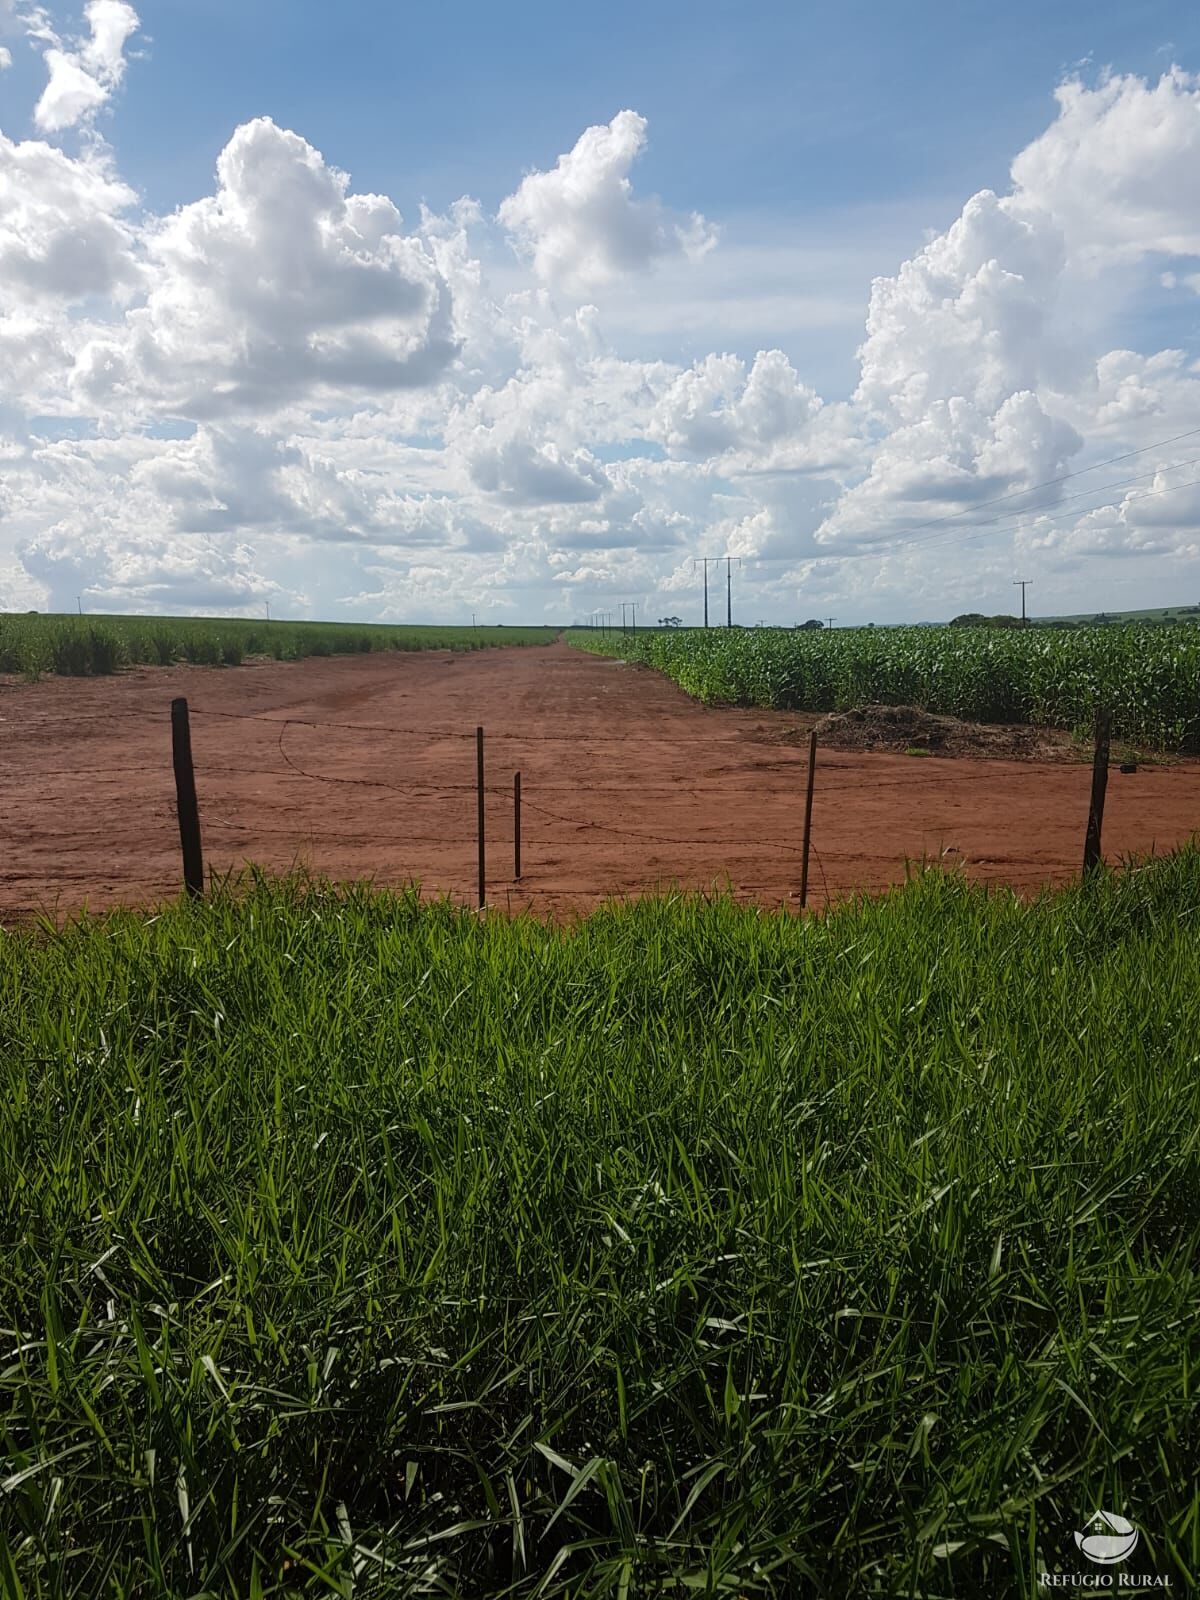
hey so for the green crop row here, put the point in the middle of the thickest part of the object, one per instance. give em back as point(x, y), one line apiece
point(33, 644)
point(360, 1247)
point(1150, 678)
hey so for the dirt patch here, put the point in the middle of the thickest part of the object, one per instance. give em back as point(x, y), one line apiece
point(364, 766)
point(910, 729)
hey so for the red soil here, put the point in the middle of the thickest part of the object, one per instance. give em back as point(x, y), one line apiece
point(627, 784)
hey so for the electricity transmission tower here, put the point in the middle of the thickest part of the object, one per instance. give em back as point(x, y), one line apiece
point(729, 560)
point(712, 561)
point(705, 562)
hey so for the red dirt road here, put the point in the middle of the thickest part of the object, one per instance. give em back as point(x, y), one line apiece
point(364, 766)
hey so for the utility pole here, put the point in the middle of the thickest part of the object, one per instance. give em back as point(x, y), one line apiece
point(624, 608)
point(268, 604)
point(729, 560)
point(829, 621)
point(1022, 584)
point(79, 603)
point(705, 562)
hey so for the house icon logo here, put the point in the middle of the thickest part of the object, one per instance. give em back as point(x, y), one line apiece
point(1107, 1538)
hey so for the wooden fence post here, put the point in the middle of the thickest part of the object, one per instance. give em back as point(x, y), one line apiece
point(185, 799)
point(517, 826)
point(808, 799)
point(479, 810)
point(1091, 844)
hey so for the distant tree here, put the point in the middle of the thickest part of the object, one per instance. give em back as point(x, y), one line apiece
point(976, 619)
point(670, 622)
point(813, 622)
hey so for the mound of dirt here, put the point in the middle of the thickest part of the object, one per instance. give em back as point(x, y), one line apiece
point(908, 728)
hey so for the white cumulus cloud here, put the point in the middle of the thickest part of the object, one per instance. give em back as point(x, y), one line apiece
point(1119, 168)
point(279, 286)
point(581, 225)
point(63, 233)
point(83, 77)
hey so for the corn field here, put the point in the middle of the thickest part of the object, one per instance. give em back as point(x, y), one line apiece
point(1149, 677)
point(33, 644)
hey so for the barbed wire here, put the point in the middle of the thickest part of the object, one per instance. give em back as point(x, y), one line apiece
point(434, 788)
point(584, 825)
point(303, 836)
point(450, 841)
point(273, 718)
point(658, 741)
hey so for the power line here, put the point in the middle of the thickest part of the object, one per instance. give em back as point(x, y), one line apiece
point(943, 540)
point(1109, 505)
point(1048, 483)
point(1051, 512)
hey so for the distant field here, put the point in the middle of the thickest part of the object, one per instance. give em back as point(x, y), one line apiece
point(1153, 614)
point(1149, 677)
point(33, 644)
point(355, 1246)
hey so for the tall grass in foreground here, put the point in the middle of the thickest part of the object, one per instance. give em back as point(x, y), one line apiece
point(362, 1247)
point(33, 644)
point(1150, 677)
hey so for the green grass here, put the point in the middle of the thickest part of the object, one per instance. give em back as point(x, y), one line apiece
point(355, 1246)
point(1149, 677)
point(33, 644)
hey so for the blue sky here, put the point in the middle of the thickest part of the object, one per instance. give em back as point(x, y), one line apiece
point(808, 107)
point(679, 361)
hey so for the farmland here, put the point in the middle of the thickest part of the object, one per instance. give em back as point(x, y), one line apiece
point(33, 644)
point(359, 1246)
point(365, 766)
point(1149, 677)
